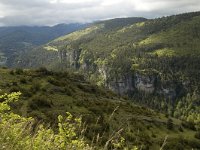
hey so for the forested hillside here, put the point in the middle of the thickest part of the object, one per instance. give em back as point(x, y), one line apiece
point(155, 62)
point(107, 119)
point(16, 40)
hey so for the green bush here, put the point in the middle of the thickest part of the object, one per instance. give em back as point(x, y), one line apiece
point(88, 89)
point(35, 87)
point(14, 89)
point(14, 83)
point(4, 67)
point(189, 125)
point(12, 72)
point(68, 91)
point(170, 124)
point(19, 71)
point(26, 92)
point(55, 82)
point(197, 135)
point(23, 80)
point(43, 71)
point(39, 102)
point(180, 128)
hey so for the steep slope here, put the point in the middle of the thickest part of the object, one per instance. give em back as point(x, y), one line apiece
point(47, 94)
point(73, 41)
point(154, 61)
point(16, 40)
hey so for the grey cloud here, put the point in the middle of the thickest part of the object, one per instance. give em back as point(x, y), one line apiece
point(42, 12)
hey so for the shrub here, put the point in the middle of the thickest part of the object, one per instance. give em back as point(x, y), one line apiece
point(4, 67)
point(197, 135)
point(23, 80)
point(14, 89)
point(57, 89)
point(88, 89)
point(39, 102)
point(35, 87)
point(96, 110)
point(26, 93)
point(38, 115)
point(68, 91)
point(19, 71)
point(44, 71)
point(170, 124)
point(54, 82)
point(12, 72)
point(14, 83)
point(189, 125)
point(180, 128)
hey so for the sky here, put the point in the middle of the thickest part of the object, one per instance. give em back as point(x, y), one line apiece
point(52, 12)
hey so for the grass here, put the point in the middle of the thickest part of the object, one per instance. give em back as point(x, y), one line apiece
point(165, 52)
point(79, 34)
point(91, 103)
point(183, 38)
point(50, 48)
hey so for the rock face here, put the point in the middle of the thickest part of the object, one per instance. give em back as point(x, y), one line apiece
point(145, 83)
point(3, 60)
point(123, 83)
point(169, 93)
point(70, 58)
point(130, 83)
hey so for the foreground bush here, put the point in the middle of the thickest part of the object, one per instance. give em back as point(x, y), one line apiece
point(16, 132)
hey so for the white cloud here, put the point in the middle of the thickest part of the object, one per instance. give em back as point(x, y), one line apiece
point(111, 2)
point(49, 12)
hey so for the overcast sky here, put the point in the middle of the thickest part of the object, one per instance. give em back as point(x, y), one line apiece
point(51, 12)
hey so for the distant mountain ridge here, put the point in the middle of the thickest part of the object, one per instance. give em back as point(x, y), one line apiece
point(16, 40)
point(38, 35)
